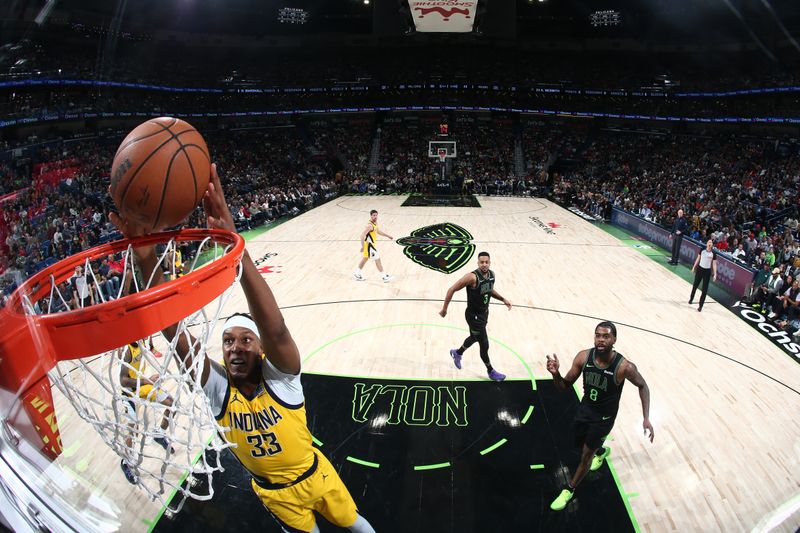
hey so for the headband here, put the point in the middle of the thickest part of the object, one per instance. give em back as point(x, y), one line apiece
point(241, 322)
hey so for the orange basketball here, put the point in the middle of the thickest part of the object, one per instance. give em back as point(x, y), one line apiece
point(160, 173)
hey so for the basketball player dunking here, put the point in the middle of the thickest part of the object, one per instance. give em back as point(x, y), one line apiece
point(256, 393)
point(480, 289)
point(368, 250)
point(604, 373)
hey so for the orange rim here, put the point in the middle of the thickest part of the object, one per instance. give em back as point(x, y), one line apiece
point(102, 327)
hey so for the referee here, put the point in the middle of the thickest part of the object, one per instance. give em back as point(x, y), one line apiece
point(704, 266)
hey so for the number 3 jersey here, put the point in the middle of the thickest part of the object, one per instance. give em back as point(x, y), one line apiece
point(478, 297)
point(269, 430)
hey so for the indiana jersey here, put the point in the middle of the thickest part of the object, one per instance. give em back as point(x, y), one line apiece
point(271, 437)
point(369, 241)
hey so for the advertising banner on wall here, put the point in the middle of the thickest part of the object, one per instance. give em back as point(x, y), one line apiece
point(731, 276)
point(451, 16)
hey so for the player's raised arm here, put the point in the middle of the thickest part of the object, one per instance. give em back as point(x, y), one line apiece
point(565, 382)
point(277, 342)
point(147, 262)
point(465, 280)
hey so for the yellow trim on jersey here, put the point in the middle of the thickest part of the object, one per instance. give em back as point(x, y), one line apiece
point(272, 438)
point(369, 240)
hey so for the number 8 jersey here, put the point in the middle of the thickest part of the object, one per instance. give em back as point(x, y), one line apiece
point(269, 430)
point(601, 391)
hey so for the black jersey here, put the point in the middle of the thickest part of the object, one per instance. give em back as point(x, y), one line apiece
point(478, 298)
point(601, 392)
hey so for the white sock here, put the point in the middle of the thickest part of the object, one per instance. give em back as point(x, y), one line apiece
point(358, 271)
point(361, 526)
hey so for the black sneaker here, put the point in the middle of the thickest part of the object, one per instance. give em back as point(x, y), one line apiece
point(130, 475)
point(164, 443)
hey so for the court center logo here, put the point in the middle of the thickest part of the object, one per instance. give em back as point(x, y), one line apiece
point(441, 247)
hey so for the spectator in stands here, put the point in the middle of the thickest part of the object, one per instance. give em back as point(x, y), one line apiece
point(739, 253)
point(770, 290)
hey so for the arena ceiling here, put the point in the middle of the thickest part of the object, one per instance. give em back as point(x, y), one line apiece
point(686, 21)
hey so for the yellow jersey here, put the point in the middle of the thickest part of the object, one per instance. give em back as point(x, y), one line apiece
point(271, 437)
point(372, 236)
point(137, 363)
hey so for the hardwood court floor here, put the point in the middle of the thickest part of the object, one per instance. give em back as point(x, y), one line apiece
point(724, 400)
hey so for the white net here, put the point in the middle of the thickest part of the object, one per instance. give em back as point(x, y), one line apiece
point(145, 403)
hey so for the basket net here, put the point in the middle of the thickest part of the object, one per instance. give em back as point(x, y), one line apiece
point(129, 420)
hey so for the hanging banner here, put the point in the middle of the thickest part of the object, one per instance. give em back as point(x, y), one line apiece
point(452, 16)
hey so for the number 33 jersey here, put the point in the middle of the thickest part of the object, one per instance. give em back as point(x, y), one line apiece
point(269, 430)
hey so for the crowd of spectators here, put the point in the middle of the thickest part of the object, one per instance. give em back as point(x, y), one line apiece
point(741, 192)
point(269, 174)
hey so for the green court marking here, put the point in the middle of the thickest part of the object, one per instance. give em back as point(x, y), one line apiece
point(180, 483)
point(248, 235)
point(253, 233)
point(83, 464)
point(414, 325)
point(362, 462)
point(528, 414)
point(316, 441)
point(379, 377)
point(69, 452)
point(624, 495)
point(537, 467)
point(660, 256)
point(148, 523)
point(494, 446)
point(432, 467)
point(578, 391)
point(632, 495)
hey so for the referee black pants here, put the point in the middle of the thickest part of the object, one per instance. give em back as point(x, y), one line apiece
point(704, 275)
point(676, 248)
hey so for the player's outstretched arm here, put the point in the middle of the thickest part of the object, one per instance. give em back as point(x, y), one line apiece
point(384, 234)
point(465, 280)
point(276, 340)
point(147, 262)
point(565, 382)
point(632, 374)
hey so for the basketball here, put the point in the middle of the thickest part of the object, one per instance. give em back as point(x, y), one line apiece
point(160, 173)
